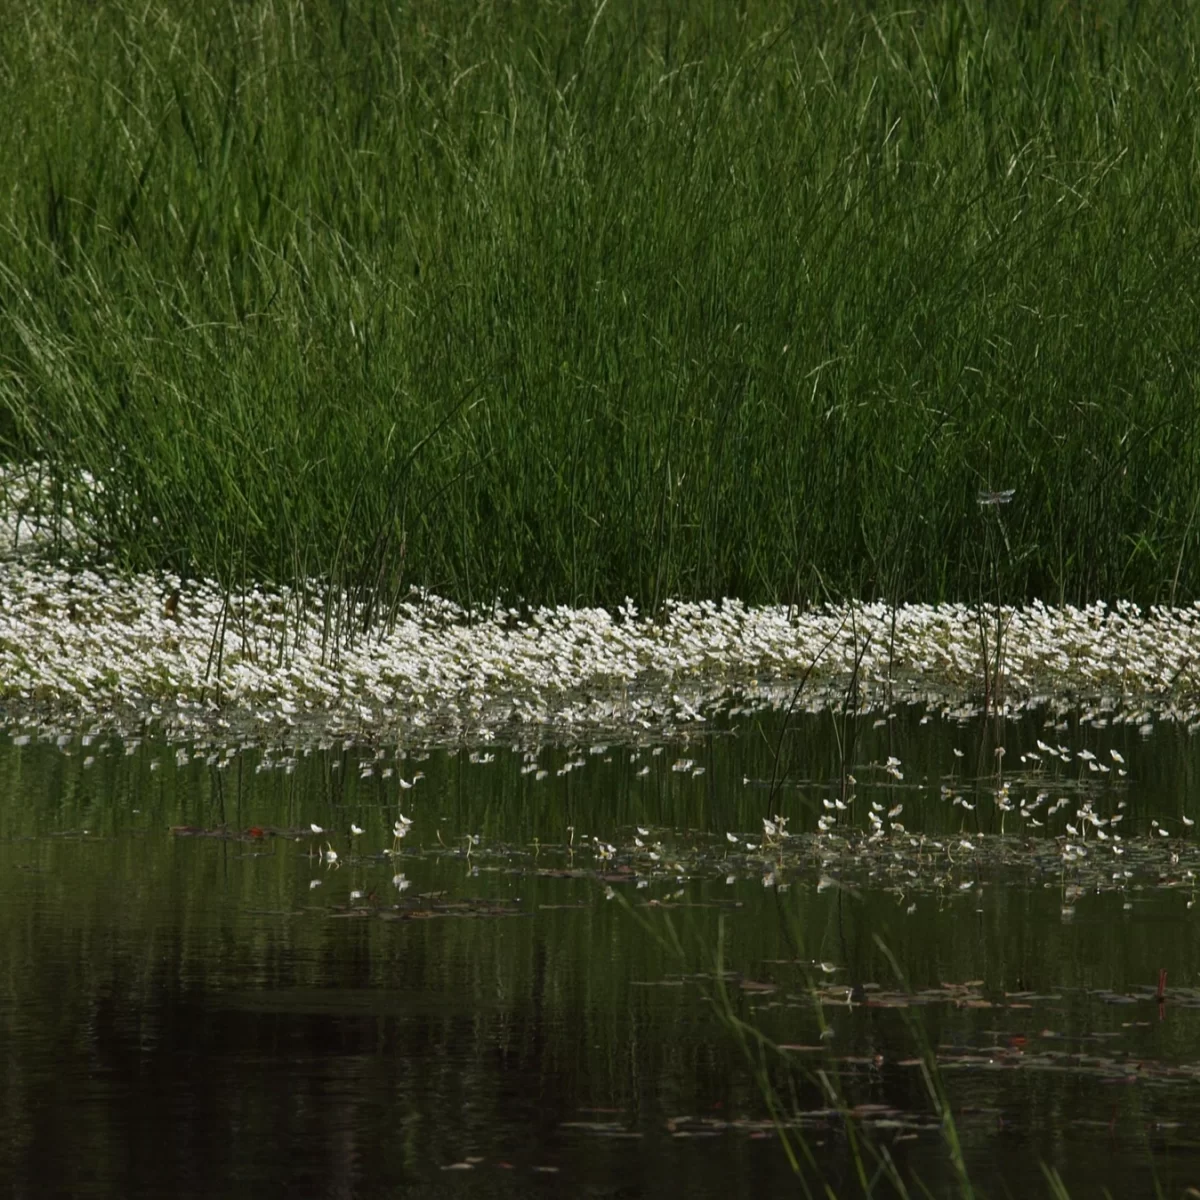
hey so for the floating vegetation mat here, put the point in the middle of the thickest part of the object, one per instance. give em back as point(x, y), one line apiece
point(1013, 1056)
point(1073, 810)
point(658, 870)
point(78, 645)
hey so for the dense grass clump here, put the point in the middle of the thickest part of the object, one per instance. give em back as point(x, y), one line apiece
point(571, 301)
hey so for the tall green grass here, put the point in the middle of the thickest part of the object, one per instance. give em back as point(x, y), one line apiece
point(572, 301)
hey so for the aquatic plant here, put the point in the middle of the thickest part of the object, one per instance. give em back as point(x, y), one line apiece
point(77, 641)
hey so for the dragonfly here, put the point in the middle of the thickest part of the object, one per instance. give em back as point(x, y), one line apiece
point(993, 499)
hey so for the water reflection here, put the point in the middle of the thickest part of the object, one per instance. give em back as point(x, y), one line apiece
point(187, 1014)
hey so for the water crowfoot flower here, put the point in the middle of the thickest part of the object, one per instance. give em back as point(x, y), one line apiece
point(400, 830)
point(551, 666)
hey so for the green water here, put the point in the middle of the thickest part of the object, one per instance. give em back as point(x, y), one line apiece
point(185, 1013)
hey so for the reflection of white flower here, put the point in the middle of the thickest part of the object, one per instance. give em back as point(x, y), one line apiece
point(316, 828)
point(354, 829)
point(400, 883)
point(313, 883)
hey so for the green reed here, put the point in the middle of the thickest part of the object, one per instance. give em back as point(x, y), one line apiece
point(568, 301)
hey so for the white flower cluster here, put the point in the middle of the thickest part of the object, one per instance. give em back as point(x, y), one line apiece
point(81, 644)
point(77, 641)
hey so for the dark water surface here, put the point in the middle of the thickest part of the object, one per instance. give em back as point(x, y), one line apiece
point(194, 1002)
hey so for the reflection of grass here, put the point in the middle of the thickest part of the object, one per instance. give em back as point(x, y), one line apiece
point(781, 1077)
point(871, 1159)
point(933, 1086)
point(667, 300)
point(171, 906)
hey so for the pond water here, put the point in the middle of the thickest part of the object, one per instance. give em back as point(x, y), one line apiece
point(539, 987)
